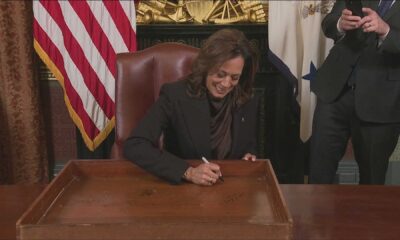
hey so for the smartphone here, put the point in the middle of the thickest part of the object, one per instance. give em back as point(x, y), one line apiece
point(355, 6)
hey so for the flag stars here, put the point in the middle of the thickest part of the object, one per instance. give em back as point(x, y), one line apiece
point(311, 75)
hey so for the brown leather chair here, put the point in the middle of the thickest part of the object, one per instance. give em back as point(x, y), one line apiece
point(139, 78)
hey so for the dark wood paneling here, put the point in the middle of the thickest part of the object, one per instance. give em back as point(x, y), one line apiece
point(60, 130)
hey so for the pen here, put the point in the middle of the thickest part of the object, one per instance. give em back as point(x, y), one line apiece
point(206, 161)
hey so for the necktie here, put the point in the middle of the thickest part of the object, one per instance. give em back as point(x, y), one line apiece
point(384, 7)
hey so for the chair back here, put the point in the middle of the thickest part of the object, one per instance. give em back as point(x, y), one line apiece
point(138, 80)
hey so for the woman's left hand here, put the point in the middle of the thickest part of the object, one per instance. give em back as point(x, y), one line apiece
point(249, 157)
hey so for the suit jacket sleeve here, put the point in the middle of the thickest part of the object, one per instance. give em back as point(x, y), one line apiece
point(391, 44)
point(329, 23)
point(247, 132)
point(142, 146)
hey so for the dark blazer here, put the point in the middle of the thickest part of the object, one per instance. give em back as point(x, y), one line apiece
point(185, 121)
point(376, 68)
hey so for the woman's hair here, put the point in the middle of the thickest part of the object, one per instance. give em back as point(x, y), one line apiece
point(220, 47)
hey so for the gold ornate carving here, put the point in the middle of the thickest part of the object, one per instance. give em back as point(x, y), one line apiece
point(202, 11)
point(323, 7)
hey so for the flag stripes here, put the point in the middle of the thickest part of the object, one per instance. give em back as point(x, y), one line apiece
point(93, 28)
point(118, 14)
point(70, 95)
point(78, 41)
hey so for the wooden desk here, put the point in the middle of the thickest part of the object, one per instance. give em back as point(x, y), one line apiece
point(344, 211)
point(319, 211)
point(14, 200)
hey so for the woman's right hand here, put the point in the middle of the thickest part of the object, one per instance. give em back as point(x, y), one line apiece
point(205, 174)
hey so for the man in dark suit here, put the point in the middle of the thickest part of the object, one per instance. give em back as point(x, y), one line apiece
point(358, 92)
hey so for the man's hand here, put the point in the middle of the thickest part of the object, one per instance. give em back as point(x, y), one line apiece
point(349, 22)
point(372, 22)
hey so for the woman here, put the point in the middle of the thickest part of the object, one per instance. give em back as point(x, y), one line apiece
point(211, 113)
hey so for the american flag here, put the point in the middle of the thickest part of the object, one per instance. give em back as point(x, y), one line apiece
point(78, 41)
